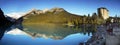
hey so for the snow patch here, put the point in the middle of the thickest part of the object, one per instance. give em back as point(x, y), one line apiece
point(16, 15)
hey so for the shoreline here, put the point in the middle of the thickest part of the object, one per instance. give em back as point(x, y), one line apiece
point(105, 37)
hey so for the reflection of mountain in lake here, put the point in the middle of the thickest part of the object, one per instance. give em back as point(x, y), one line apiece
point(47, 34)
point(20, 37)
point(55, 31)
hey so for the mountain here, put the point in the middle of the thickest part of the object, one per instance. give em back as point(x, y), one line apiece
point(10, 18)
point(3, 20)
point(4, 23)
point(54, 15)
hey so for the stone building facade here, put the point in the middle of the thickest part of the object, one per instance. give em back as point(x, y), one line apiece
point(103, 13)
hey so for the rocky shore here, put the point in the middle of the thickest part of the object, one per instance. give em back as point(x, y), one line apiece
point(105, 35)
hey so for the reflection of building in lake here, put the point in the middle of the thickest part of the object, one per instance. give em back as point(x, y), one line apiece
point(103, 12)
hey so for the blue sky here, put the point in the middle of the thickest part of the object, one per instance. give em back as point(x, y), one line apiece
point(80, 7)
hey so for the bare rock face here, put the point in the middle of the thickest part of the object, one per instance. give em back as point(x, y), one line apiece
point(53, 10)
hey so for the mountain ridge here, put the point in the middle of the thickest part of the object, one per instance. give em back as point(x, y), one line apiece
point(55, 9)
point(54, 15)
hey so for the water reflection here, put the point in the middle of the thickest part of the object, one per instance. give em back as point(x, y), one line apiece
point(54, 31)
point(47, 35)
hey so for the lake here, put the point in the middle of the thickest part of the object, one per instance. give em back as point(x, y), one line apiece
point(48, 34)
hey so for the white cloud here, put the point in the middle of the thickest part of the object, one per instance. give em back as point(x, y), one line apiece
point(16, 15)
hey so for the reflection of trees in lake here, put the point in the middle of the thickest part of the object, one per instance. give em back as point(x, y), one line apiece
point(85, 29)
point(57, 31)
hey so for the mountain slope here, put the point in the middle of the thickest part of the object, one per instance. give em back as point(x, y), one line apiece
point(54, 15)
